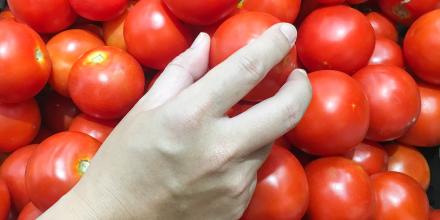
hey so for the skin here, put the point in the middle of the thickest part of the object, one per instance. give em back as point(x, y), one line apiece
point(180, 151)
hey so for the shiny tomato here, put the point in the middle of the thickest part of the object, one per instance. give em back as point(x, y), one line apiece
point(422, 47)
point(285, 10)
point(282, 191)
point(405, 12)
point(330, 2)
point(387, 52)
point(13, 172)
point(24, 62)
point(426, 132)
point(434, 214)
point(339, 101)
point(241, 29)
point(394, 100)
point(398, 196)
point(96, 128)
point(44, 16)
point(100, 76)
point(56, 166)
point(408, 160)
point(65, 49)
point(104, 11)
point(29, 212)
point(382, 26)
point(337, 38)
point(19, 124)
point(371, 156)
point(57, 111)
point(201, 12)
point(339, 189)
point(162, 36)
point(5, 202)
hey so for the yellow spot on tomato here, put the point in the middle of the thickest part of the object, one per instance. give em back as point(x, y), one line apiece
point(96, 57)
point(39, 56)
point(240, 4)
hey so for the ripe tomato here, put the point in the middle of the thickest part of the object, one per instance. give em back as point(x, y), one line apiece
point(19, 124)
point(387, 52)
point(100, 76)
point(337, 183)
point(239, 108)
point(96, 128)
point(57, 111)
point(394, 100)
point(422, 47)
point(29, 212)
point(330, 2)
point(114, 32)
point(13, 173)
point(162, 36)
point(5, 202)
point(201, 12)
point(408, 160)
point(104, 11)
point(65, 49)
point(56, 166)
point(339, 101)
point(343, 40)
point(405, 12)
point(282, 191)
point(382, 26)
point(24, 62)
point(285, 10)
point(434, 214)
point(398, 196)
point(238, 31)
point(371, 156)
point(426, 131)
point(44, 16)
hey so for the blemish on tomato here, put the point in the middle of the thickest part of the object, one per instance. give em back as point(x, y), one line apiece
point(96, 57)
point(83, 165)
point(39, 57)
point(401, 11)
point(240, 4)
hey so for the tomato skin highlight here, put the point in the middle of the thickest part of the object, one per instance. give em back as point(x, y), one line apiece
point(343, 27)
point(370, 155)
point(387, 52)
point(19, 124)
point(391, 91)
point(56, 166)
point(20, 44)
point(281, 180)
point(339, 101)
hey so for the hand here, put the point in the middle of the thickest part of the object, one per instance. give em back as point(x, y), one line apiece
point(176, 155)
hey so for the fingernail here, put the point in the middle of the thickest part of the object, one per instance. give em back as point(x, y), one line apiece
point(295, 73)
point(301, 71)
point(289, 32)
point(197, 41)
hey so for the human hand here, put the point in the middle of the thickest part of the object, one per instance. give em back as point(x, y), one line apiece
point(176, 155)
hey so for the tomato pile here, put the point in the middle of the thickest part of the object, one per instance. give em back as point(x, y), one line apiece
point(70, 71)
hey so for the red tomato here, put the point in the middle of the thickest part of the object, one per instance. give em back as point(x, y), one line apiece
point(13, 172)
point(426, 132)
point(434, 214)
point(29, 212)
point(19, 124)
point(238, 31)
point(57, 111)
point(282, 191)
point(387, 52)
point(162, 36)
point(422, 47)
point(394, 100)
point(114, 32)
point(285, 10)
point(382, 26)
point(239, 108)
point(408, 160)
point(339, 101)
point(371, 156)
point(330, 2)
point(104, 11)
point(336, 37)
point(398, 196)
point(24, 62)
point(201, 12)
point(405, 12)
point(56, 166)
point(6, 13)
point(5, 202)
point(281, 142)
point(93, 127)
point(44, 16)
point(100, 76)
point(339, 189)
point(65, 49)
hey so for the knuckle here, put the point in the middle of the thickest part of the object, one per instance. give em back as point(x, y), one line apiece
point(252, 67)
point(237, 187)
